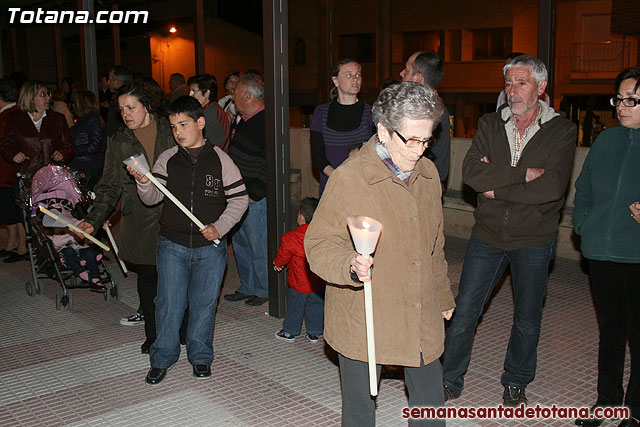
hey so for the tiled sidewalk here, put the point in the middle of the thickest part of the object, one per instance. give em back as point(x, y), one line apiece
point(81, 367)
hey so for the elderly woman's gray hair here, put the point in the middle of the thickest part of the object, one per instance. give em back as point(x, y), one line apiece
point(537, 67)
point(407, 100)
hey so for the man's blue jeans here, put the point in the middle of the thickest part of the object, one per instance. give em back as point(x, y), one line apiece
point(250, 249)
point(307, 306)
point(483, 267)
point(187, 277)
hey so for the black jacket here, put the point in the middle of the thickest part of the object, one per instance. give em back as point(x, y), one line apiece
point(211, 188)
point(523, 213)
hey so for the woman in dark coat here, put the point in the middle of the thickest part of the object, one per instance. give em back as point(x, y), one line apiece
point(88, 134)
point(142, 132)
point(606, 190)
point(34, 136)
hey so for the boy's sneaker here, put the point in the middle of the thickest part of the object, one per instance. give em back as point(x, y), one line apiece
point(285, 336)
point(312, 338)
point(136, 319)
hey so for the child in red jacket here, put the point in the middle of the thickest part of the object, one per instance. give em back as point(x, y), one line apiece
point(306, 290)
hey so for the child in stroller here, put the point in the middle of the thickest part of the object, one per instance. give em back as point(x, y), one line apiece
point(57, 189)
point(77, 255)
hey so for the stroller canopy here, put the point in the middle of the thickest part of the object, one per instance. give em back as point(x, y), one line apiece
point(55, 182)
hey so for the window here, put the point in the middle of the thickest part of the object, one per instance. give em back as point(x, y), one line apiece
point(361, 47)
point(300, 52)
point(427, 41)
point(492, 43)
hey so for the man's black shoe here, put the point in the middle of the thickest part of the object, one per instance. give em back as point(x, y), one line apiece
point(236, 296)
point(450, 394)
point(514, 397)
point(202, 372)
point(256, 301)
point(155, 376)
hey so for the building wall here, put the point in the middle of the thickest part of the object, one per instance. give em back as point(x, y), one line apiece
point(227, 48)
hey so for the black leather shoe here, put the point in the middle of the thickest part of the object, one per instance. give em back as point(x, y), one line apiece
point(236, 296)
point(202, 372)
point(15, 257)
point(155, 376)
point(514, 397)
point(588, 422)
point(450, 394)
point(256, 301)
point(631, 422)
point(5, 253)
point(145, 347)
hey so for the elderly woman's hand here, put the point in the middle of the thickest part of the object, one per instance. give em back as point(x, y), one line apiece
point(360, 265)
point(635, 211)
point(57, 156)
point(448, 313)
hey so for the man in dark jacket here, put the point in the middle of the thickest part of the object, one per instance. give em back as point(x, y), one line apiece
point(247, 150)
point(520, 164)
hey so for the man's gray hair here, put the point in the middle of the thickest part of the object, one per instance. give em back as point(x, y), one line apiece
point(407, 100)
point(122, 73)
point(254, 85)
point(537, 67)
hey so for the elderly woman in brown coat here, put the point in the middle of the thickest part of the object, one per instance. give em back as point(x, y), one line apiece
point(390, 181)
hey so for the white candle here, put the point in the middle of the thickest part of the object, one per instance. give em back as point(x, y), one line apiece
point(365, 233)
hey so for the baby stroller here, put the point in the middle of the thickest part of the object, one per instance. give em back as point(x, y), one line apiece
point(56, 188)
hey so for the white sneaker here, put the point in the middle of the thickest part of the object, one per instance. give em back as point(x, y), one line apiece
point(135, 319)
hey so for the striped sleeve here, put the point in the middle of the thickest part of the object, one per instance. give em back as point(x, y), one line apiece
point(225, 126)
point(149, 193)
point(235, 192)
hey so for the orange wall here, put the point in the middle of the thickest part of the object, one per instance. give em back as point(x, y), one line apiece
point(173, 53)
point(227, 48)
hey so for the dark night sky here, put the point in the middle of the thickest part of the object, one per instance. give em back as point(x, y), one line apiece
point(245, 13)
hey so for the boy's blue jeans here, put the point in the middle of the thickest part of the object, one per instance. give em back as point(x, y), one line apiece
point(187, 277)
point(307, 306)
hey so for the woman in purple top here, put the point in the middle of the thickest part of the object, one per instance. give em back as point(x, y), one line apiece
point(338, 126)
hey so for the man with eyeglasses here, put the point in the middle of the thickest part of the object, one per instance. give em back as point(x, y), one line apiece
point(519, 163)
point(427, 68)
point(204, 88)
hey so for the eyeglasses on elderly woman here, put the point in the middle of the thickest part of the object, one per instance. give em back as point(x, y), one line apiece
point(44, 94)
point(415, 142)
point(627, 102)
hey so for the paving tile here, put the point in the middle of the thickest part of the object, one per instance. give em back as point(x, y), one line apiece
point(80, 367)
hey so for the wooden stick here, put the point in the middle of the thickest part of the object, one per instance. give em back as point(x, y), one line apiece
point(68, 224)
point(177, 202)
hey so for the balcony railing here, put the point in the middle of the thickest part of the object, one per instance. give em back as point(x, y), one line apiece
point(605, 57)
